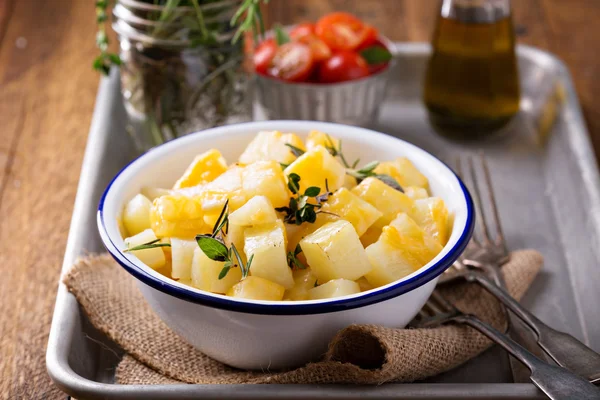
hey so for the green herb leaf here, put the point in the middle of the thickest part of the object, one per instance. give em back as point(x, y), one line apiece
point(214, 249)
point(295, 150)
point(312, 191)
point(150, 245)
point(370, 167)
point(222, 220)
point(292, 259)
point(388, 180)
point(281, 36)
point(294, 182)
point(376, 55)
point(248, 265)
point(224, 271)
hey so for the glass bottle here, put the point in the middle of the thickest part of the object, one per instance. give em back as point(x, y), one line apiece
point(472, 82)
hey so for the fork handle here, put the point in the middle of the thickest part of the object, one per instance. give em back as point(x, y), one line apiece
point(564, 349)
point(556, 382)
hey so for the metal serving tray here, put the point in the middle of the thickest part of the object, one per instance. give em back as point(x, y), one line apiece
point(549, 200)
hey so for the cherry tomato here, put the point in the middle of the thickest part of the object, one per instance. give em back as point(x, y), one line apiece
point(292, 62)
point(302, 29)
point(263, 55)
point(370, 38)
point(342, 31)
point(319, 48)
point(343, 66)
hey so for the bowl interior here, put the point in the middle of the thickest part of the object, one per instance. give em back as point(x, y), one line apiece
point(162, 166)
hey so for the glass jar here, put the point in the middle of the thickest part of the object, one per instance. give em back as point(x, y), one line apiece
point(172, 87)
point(472, 82)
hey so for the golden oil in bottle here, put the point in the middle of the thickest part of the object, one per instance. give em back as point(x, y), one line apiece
point(472, 83)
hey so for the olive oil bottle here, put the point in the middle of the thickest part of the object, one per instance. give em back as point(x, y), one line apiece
point(472, 83)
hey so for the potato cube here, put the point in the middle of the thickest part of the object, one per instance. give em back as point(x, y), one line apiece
point(205, 168)
point(404, 172)
point(205, 274)
point(258, 210)
point(334, 251)
point(212, 195)
point(304, 280)
point(314, 167)
point(351, 208)
point(384, 198)
point(334, 288)
point(431, 214)
point(295, 233)
point(402, 248)
point(154, 258)
point(370, 236)
point(177, 216)
point(317, 138)
point(271, 146)
point(266, 178)
point(255, 288)
point(415, 192)
point(364, 284)
point(349, 182)
point(267, 243)
point(182, 252)
point(136, 215)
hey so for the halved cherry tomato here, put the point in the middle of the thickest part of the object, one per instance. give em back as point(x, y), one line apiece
point(319, 48)
point(343, 66)
point(370, 38)
point(302, 29)
point(263, 55)
point(292, 62)
point(342, 31)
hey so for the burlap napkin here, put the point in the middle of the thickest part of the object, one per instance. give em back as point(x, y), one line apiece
point(361, 354)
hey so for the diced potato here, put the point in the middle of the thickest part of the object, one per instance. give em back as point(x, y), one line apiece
point(154, 258)
point(205, 168)
point(177, 216)
point(349, 182)
point(370, 236)
point(271, 146)
point(266, 178)
point(404, 172)
point(316, 166)
point(402, 248)
point(431, 214)
point(415, 192)
point(304, 280)
point(235, 236)
point(205, 274)
point(258, 210)
point(364, 284)
point(136, 215)
point(295, 233)
point(384, 198)
point(255, 288)
point(334, 288)
point(334, 251)
point(152, 193)
point(351, 208)
point(182, 252)
point(268, 245)
point(213, 195)
point(317, 138)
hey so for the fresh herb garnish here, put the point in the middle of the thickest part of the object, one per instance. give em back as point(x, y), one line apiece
point(213, 246)
point(300, 209)
point(150, 245)
point(376, 55)
point(281, 36)
point(293, 260)
point(284, 165)
point(369, 171)
point(337, 151)
point(297, 151)
point(252, 19)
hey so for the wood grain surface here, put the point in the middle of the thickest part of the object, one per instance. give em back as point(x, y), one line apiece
point(47, 92)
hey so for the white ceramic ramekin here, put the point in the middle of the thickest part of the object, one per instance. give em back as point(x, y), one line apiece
point(253, 334)
point(354, 102)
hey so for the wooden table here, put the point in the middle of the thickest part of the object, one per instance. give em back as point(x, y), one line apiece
point(47, 92)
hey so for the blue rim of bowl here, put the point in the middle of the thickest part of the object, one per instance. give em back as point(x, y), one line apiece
point(368, 298)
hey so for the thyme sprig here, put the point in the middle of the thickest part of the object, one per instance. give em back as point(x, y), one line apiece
point(369, 171)
point(150, 245)
point(292, 258)
point(300, 209)
point(297, 151)
point(213, 246)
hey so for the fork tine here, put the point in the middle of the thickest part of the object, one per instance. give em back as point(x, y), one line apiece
point(481, 220)
point(492, 198)
point(443, 302)
point(459, 170)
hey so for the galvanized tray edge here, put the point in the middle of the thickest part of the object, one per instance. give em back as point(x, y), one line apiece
point(67, 311)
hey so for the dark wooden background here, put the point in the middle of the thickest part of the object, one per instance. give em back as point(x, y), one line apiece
point(47, 93)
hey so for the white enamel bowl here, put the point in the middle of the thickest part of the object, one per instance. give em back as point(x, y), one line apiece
point(253, 334)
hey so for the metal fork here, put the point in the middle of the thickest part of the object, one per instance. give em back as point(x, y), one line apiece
point(554, 381)
point(488, 255)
